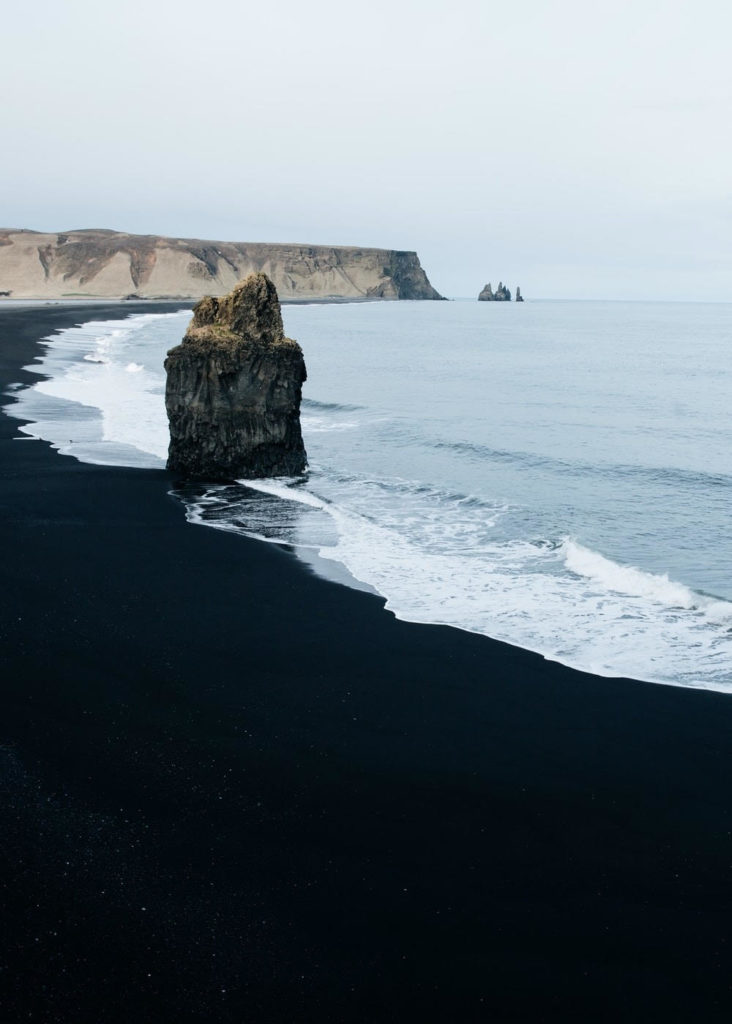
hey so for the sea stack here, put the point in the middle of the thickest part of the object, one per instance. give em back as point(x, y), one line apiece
point(501, 294)
point(233, 389)
point(519, 296)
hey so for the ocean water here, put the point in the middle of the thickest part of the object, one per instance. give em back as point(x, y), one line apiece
point(552, 474)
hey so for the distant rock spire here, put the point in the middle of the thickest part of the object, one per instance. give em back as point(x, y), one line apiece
point(519, 296)
point(502, 294)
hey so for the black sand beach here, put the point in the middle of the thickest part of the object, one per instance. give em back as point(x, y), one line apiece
point(231, 791)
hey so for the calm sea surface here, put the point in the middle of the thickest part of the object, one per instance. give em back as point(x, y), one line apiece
point(553, 474)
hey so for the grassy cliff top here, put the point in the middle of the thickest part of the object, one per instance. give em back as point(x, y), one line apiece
point(249, 317)
point(209, 338)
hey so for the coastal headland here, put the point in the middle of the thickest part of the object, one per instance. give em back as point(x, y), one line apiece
point(230, 790)
point(116, 265)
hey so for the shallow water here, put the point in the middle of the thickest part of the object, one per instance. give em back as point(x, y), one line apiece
point(553, 474)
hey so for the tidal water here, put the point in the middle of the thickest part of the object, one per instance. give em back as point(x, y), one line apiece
point(552, 474)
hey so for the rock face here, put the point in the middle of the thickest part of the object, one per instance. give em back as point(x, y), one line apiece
point(111, 264)
point(519, 296)
point(501, 294)
point(233, 389)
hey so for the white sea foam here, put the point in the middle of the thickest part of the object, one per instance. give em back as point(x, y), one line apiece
point(601, 617)
point(281, 488)
point(97, 404)
point(320, 425)
point(625, 579)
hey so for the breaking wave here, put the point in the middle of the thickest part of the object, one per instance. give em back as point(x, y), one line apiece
point(549, 595)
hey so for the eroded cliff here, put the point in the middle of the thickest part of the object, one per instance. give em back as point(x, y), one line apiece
point(233, 389)
point(111, 264)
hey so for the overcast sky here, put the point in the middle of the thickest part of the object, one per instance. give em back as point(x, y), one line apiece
point(578, 149)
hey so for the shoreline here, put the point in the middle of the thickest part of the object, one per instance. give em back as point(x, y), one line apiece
point(331, 569)
point(230, 789)
point(184, 301)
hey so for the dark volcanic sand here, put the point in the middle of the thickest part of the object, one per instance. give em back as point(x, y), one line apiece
point(230, 791)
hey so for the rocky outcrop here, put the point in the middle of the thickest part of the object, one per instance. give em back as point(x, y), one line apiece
point(111, 264)
point(501, 294)
point(519, 296)
point(233, 389)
